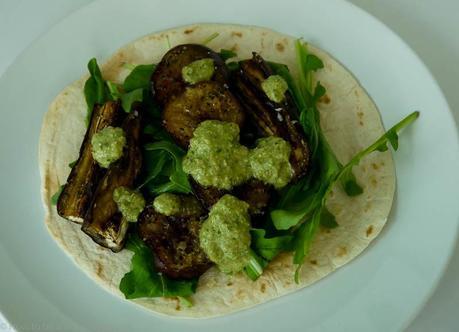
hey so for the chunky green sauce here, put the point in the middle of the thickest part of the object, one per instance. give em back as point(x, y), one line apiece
point(269, 161)
point(275, 87)
point(225, 234)
point(174, 205)
point(215, 157)
point(130, 202)
point(198, 71)
point(107, 145)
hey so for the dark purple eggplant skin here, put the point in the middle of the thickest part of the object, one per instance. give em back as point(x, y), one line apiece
point(174, 241)
point(78, 192)
point(103, 222)
point(271, 118)
point(167, 82)
point(255, 193)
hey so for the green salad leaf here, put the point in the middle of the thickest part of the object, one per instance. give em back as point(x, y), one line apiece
point(327, 219)
point(164, 164)
point(144, 281)
point(114, 89)
point(56, 195)
point(156, 132)
point(304, 236)
point(95, 88)
point(210, 38)
point(129, 98)
point(73, 163)
point(270, 247)
point(139, 78)
point(256, 266)
point(227, 54)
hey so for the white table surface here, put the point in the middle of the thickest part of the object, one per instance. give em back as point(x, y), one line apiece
point(430, 27)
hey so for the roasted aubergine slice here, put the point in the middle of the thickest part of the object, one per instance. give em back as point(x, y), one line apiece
point(78, 192)
point(255, 193)
point(271, 118)
point(174, 241)
point(203, 101)
point(103, 222)
point(167, 82)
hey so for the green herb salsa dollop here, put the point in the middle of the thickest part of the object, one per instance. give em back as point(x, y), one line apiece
point(216, 158)
point(225, 234)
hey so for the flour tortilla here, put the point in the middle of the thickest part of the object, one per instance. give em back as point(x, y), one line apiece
point(350, 121)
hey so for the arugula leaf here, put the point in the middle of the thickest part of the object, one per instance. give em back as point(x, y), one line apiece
point(56, 195)
point(390, 137)
point(157, 132)
point(305, 234)
point(256, 266)
point(327, 219)
point(269, 248)
point(128, 66)
point(350, 185)
point(95, 89)
point(233, 65)
point(299, 200)
point(114, 89)
point(227, 54)
point(129, 98)
point(210, 38)
point(73, 163)
point(178, 179)
point(185, 302)
point(144, 281)
point(303, 240)
point(139, 78)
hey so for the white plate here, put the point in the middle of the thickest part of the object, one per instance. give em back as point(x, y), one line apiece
point(382, 289)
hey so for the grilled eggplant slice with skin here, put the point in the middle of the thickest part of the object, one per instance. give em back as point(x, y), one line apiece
point(203, 101)
point(254, 192)
point(208, 196)
point(167, 82)
point(271, 118)
point(103, 222)
point(174, 241)
point(78, 192)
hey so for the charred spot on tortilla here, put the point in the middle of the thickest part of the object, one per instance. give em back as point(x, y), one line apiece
point(280, 47)
point(369, 230)
point(189, 31)
point(341, 251)
point(104, 222)
point(77, 194)
point(263, 287)
point(325, 99)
